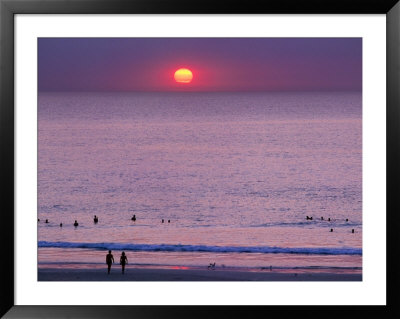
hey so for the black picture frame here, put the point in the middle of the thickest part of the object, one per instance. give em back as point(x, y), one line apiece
point(9, 8)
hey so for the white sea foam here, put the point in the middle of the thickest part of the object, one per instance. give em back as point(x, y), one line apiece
point(202, 248)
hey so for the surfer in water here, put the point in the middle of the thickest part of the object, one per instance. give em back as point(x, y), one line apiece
point(109, 260)
point(123, 260)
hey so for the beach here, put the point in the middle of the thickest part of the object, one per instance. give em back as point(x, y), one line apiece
point(177, 181)
point(52, 274)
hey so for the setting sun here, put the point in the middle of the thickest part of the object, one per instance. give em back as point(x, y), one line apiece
point(183, 76)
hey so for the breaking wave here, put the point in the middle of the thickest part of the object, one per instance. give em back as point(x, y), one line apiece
point(204, 248)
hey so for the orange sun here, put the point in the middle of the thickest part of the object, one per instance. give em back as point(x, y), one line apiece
point(183, 76)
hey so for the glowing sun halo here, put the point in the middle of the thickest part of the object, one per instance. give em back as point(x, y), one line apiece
point(183, 76)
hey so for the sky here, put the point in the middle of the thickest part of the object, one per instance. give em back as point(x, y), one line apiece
point(217, 64)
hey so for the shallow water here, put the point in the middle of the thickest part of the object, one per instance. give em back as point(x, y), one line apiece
point(235, 173)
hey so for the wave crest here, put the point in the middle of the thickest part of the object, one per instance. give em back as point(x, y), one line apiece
point(204, 248)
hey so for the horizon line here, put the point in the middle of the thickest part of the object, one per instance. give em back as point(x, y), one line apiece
point(195, 91)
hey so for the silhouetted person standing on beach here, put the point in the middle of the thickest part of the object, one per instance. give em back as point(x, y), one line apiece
point(109, 260)
point(123, 260)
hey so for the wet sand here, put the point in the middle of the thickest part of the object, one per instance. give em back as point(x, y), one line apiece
point(49, 274)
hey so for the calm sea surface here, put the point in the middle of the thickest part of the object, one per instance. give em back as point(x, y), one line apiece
point(235, 173)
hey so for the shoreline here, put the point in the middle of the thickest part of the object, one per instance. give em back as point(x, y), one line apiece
point(153, 274)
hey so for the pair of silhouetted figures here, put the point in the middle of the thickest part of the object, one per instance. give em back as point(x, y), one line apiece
point(75, 223)
point(110, 260)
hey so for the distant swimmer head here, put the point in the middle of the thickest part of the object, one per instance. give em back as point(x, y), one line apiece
point(331, 230)
point(47, 221)
point(352, 231)
point(322, 218)
point(76, 223)
point(162, 220)
point(329, 219)
point(347, 219)
point(60, 224)
point(169, 221)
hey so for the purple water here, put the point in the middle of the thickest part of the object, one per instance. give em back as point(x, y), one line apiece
point(235, 173)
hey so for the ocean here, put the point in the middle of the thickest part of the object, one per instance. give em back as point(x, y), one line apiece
point(233, 175)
